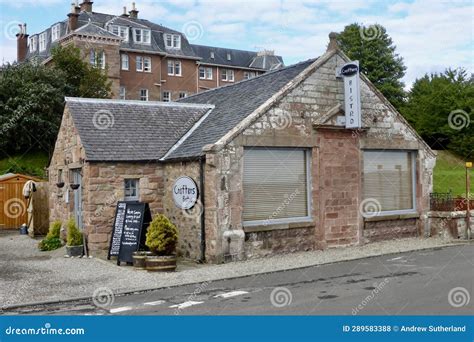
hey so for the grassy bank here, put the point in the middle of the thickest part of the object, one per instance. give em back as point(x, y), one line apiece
point(32, 164)
point(450, 174)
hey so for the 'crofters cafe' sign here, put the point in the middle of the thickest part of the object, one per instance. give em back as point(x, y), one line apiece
point(185, 192)
point(350, 73)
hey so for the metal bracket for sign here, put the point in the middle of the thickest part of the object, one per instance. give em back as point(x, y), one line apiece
point(338, 72)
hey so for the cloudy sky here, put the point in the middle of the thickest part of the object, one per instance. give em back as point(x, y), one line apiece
point(431, 35)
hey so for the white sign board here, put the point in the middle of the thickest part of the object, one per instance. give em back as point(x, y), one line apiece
point(185, 192)
point(350, 73)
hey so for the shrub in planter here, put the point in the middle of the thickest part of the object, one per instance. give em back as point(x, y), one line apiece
point(52, 240)
point(161, 239)
point(74, 246)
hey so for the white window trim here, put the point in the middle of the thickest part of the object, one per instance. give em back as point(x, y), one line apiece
point(169, 96)
point(205, 73)
point(174, 61)
point(33, 43)
point(147, 94)
point(172, 37)
point(309, 198)
point(135, 30)
point(120, 30)
point(228, 72)
point(42, 37)
point(136, 64)
point(149, 60)
point(124, 97)
point(55, 32)
point(132, 198)
point(124, 57)
point(414, 181)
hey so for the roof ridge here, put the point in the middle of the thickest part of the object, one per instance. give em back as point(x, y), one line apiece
point(270, 72)
point(138, 102)
point(223, 48)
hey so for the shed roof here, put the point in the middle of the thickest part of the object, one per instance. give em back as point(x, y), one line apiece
point(119, 130)
point(8, 176)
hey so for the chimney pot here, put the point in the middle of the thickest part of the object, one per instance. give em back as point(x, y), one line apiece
point(125, 14)
point(332, 41)
point(86, 6)
point(133, 12)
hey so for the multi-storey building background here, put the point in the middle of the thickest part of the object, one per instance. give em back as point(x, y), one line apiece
point(143, 60)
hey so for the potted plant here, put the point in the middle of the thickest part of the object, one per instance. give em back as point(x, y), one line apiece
point(60, 184)
point(52, 240)
point(74, 244)
point(139, 258)
point(161, 239)
point(74, 186)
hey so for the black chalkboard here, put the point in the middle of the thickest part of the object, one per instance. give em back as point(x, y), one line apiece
point(117, 229)
point(136, 220)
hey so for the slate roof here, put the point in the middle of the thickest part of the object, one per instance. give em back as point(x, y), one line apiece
point(240, 58)
point(233, 103)
point(94, 30)
point(120, 130)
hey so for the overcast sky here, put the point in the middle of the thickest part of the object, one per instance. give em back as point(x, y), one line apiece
point(429, 35)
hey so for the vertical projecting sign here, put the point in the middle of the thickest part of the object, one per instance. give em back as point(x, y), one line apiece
point(350, 73)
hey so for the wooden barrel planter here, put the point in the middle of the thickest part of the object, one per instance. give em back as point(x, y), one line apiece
point(156, 263)
point(139, 258)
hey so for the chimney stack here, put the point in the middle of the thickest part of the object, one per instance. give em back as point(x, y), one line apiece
point(86, 6)
point(332, 41)
point(21, 43)
point(73, 17)
point(133, 12)
point(125, 14)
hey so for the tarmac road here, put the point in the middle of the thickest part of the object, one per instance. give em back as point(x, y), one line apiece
point(427, 282)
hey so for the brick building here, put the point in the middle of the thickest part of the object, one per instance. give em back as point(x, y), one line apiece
point(145, 61)
point(277, 171)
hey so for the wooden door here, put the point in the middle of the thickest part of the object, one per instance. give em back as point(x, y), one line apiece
point(12, 204)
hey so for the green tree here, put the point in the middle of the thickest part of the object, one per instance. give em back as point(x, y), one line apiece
point(440, 107)
point(83, 79)
point(32, 98)
point(375, 51)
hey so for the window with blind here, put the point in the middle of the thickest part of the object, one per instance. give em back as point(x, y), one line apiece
point(389, 179)
point(275, 185)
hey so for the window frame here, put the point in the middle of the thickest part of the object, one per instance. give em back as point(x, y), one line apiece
point(172, 41)
point(146, 98)
point(207, 73)
point(138, 32)
point(308, 217)
point(145, 61)
point(122, 31)
point(182, 95)
point(122, 93)
point(33, 43)
point(55, 32)
point(171, 65)
point(42, 39)
point(137, 63)
point(414, 156)
point(137, 189)
point(124, 57)
point(228, 73)
point(163, 96)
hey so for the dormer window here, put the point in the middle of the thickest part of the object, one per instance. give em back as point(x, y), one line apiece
point(42, 41)
point(33, 43)
point(55, 32)
point(173, 41)
point(212, 55)
point(229, 57)
point(141, 36)
point(120, 31)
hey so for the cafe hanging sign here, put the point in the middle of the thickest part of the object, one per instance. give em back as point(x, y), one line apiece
point(350, 73)
point(185, 192)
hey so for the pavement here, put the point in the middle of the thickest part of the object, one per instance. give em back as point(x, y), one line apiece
point(437, 281)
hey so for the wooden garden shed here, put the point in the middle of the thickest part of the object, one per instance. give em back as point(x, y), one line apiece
point(13, 204)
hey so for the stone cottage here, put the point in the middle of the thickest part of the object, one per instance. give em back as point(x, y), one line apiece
point(276, 167)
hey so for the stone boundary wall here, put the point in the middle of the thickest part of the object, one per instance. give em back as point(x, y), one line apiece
point(450, 225)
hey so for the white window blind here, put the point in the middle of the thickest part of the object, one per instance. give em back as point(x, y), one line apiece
point(389, 179)
point(275, 184)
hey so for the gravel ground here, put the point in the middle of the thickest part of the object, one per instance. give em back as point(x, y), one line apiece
point(29, 276)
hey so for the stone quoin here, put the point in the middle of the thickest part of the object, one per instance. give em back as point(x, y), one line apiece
point(275, 167)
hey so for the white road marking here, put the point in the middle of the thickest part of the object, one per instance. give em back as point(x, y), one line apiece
point(158, 302)
point(123, 308)
point(402, 265)
point(230, 294)
point(185, 304)
point(398, 258)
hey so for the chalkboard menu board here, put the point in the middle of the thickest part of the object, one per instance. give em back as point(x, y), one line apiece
point(117, 229)
point(129, 231)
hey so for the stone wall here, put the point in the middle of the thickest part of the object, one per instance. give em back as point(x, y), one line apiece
point(390, 229)
point(450, 225)
point(188, 222)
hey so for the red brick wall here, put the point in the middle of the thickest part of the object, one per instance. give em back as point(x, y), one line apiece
point(339, 175)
